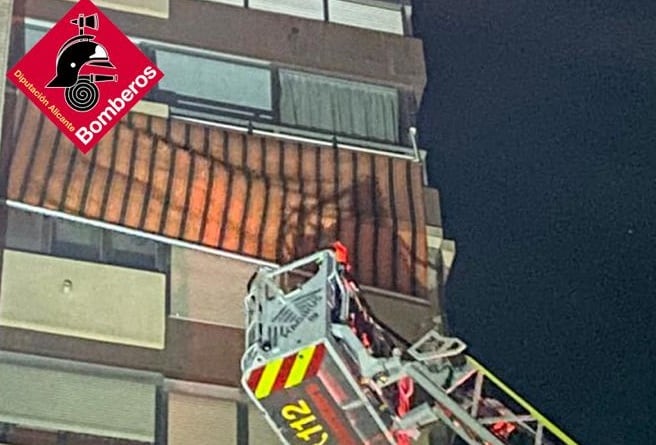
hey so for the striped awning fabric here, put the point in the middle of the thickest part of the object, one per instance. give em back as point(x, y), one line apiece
point(254, 195)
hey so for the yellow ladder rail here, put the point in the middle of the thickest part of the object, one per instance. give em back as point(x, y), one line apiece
point(540, 418)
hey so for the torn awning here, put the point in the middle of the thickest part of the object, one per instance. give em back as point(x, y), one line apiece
point(253, 195)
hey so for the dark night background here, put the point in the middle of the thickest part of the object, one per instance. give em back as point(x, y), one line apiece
point(540, 121)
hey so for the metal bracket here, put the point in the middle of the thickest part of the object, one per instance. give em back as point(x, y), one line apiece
point(433, 347)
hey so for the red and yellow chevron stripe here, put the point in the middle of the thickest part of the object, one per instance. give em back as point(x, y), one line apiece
point(286, 372)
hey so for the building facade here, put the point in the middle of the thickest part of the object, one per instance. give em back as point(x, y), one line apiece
point(279, 127)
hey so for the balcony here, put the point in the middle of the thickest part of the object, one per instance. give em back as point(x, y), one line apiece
point(390, 16)
point(284, 40)
point(272, 98)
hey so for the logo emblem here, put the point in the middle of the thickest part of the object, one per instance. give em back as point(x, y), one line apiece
point(85, 75)
point(81, 50)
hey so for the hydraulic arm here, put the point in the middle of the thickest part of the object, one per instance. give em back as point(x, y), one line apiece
point(324, 371)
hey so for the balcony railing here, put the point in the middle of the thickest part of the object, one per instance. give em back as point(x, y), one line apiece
point(391, 16)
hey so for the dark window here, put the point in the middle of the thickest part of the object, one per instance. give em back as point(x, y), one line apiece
point(407, 115)
point(26, 231)
point(59, 237)
point(76, 240)
point(130, 251)
point(86, 242)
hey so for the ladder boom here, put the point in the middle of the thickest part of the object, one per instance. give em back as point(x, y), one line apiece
point(324, 371)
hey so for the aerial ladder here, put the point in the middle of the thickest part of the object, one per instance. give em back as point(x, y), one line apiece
point(324, 371)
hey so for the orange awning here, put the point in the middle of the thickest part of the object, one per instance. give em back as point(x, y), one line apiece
point(253, 195)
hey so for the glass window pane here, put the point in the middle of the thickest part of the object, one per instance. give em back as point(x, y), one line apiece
point(216, 80)
point(76, 240)
point(310, 9)
point(131, 251)
point(376, 17)
point(71, 232)
point(132, 244)
point(24, 230)
point(33, 35)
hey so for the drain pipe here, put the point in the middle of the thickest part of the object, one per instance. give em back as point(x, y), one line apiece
point(417, 154)
point(413, 139)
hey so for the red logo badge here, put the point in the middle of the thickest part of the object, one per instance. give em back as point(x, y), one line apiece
point(85, 74)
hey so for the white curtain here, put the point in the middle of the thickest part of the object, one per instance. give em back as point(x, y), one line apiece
point(338, 106)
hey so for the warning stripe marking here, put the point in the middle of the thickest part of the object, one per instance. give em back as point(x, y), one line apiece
point(301, 365)
point(268, 378)
point(286, 372)
point(317, 359)
point(254, 378)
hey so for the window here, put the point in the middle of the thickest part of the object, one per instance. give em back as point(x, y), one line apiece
point(377, 16)
point(33, 35)
point(75, 240)
point(33, 232)
point(25, 231)
point(203, 82)
point(209, 86)
point(131, 251)
point(310, 9)
point(85, 242)
point(339, 106)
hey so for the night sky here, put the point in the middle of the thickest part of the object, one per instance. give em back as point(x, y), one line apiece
point(540, 122)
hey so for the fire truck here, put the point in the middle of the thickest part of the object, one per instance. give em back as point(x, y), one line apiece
point(324, 370)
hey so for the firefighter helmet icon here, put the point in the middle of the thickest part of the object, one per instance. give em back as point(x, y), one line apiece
point(77, 52)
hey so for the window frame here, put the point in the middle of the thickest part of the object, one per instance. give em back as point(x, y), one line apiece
point(96, 245)
point(110, 252)
point(105, 252)
point(160, 255)
point(203, 105)
point(192, 107)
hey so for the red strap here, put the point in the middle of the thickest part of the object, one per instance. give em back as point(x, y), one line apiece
point(406, 389)
point(365, 340)
point(402, 438)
